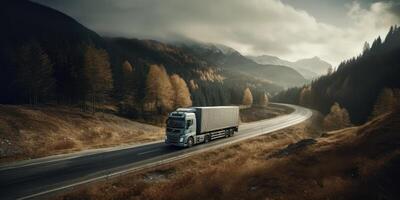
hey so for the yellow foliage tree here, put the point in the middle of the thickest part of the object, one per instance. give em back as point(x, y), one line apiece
point(247, 97)
point(338, 118)
point(264, 100)
point(182, 94)
point(160, 94)
point(386, 102)
point(305, 96)
point(98, 74)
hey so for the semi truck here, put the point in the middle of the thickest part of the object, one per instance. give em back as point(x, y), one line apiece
point(186, 127)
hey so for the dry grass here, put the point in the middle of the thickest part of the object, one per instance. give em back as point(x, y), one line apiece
point(30, 132)
point(355, 163)
point(256, 113)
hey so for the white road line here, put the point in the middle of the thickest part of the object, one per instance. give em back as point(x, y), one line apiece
point(146, 152)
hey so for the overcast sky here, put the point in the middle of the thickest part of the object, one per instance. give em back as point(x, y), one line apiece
point(333, 30)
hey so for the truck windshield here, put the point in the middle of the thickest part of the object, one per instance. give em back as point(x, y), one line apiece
point(176, 123)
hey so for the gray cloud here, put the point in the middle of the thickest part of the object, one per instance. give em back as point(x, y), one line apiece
point(251, 26)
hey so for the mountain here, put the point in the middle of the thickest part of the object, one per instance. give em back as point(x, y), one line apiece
point(229, 59)
point(310, 68)
point(357, 83)
point(40, 36)
point(314, 64)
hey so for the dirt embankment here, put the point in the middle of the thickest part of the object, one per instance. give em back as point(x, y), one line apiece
point(354, 163)
point(31, 132)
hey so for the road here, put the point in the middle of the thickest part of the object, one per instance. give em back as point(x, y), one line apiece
point(37, 180)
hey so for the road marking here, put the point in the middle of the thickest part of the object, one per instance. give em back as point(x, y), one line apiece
point(146, 152)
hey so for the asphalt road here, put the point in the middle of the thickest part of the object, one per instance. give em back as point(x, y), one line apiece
point(37, 180)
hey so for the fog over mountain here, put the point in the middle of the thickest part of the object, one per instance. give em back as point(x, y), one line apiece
point(310, 68)
point(289, 29)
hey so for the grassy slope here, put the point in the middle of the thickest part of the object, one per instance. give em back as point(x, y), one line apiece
point(354, 163)
point(30, 132)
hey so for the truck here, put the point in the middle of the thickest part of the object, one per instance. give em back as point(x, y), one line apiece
point(186, 127)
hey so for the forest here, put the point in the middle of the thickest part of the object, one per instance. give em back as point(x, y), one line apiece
point(51, 59)
point(360, 85)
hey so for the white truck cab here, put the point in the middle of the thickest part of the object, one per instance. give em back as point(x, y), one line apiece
point(188, 126)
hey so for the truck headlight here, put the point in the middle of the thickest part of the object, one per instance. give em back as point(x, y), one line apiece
point(181, 139)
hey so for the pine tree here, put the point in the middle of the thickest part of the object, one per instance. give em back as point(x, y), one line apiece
point(182, 94)
point(247, 97)
point(34, 74)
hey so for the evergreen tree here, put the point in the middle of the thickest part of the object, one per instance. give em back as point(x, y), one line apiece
point(34, 74)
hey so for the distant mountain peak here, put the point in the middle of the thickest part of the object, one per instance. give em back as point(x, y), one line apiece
point(310, 68)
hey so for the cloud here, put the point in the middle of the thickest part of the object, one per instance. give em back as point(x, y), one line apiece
point(252, 26)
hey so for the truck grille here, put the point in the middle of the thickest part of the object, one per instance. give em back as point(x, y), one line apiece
point(173, 138)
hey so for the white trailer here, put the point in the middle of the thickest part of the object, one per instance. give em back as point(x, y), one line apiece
point(189, 126)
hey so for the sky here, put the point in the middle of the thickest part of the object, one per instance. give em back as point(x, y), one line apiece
point(333, 30)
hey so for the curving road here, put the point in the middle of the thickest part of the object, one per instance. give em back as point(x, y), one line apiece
point(44, 177)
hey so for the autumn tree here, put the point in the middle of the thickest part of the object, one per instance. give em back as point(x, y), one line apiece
point(338, 118)
point(182, 94)
point(160, 94)
point(193, 85)
point(34, 73)
point(264, 99)
point(247, 97)
point(305, 96)
point(128, 80)
point(386, 102)
point(98, 74)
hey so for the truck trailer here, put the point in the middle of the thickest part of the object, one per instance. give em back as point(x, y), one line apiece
point(189, 126)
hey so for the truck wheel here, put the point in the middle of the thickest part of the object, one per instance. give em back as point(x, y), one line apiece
point(231, 132)
point(190, 142)
point(206, 139)
point(227, 133)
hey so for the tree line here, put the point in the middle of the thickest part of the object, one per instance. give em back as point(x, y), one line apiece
point(356, 84)
point(88, 77)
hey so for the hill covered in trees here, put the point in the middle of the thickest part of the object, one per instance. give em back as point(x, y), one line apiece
point(48, 57)
point(358, 83)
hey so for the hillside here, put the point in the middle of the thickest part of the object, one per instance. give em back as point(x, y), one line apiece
point(52, 63)
point(231, 60)
point(30, 132)
point(357, 83)
point(310, 68)
point(295, 163)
